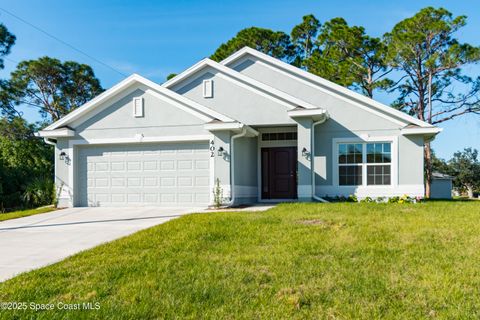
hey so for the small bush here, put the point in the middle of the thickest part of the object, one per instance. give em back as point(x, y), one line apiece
point(41, 191)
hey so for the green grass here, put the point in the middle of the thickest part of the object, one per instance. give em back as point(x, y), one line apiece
point(334, 261)
point(24, 213)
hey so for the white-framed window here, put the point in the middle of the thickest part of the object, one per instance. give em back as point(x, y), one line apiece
point(364, 164)
point(208, 88)
point(138, 107)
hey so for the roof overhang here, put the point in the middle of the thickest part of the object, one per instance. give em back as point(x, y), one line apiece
point(230, 126)
point(421, 131)
point(56, 133)
point(315, 114)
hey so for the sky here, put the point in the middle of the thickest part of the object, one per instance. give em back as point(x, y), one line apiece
point(156, 38)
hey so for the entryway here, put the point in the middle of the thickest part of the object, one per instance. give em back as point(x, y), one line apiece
point(279, 173)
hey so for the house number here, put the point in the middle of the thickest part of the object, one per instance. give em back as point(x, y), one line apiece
point(212, 149)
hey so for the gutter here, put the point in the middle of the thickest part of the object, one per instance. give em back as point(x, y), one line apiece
point(312, 163)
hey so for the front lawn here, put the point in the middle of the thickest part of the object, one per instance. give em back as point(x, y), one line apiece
point(24, 213)
point(334, 261)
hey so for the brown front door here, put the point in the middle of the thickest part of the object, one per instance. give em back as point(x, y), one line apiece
point(279, 173)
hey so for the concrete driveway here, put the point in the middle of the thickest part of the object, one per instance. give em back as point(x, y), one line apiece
point(36, 241)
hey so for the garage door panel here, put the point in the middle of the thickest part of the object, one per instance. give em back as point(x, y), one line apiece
point(153, 174)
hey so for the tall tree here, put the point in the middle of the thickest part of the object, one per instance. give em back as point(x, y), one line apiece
point(55, 88)
point(348, 56)
point(303, 36)
point(466, 168)
point(274, 43)
point(7, 40)
point(423, 48)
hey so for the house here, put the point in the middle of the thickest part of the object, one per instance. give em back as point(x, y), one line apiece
point(253, 122)
point(441, 186)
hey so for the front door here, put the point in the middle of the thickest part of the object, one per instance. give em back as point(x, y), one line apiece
point(279, 173)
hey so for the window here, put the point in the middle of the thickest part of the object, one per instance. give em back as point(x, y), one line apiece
point(208, 88)
point(350, 164)
point(364, 164)
point(138, 107)
point(273, 136)
point(378, 164)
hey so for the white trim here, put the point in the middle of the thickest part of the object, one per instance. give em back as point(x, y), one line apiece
point(240, 78)
point(140, 139)
point(57, 133)
point(334, 89)
point(366, 139)
point(222, 126)
point(411, 131)
point(315, 114)
point(135, 78)
point(361, 192)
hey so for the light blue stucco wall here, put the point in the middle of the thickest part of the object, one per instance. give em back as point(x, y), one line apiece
point(234, 100)
point(347, 120)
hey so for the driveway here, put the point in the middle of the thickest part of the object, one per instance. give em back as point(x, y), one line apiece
point(36, 241)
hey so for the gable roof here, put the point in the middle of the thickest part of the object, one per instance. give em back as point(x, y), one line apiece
point(242, 79)
point(156, 90)
point(331, 87)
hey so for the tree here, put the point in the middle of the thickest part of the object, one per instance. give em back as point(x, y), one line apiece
point(466, 168)
point(7, 40)
point(303, 36)
point(274, 43)
point(55, 88)
point(24, 159)
point(424, 50)
point(349, 57)
point(171, 75)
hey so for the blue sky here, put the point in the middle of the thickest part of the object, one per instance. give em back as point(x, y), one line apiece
point(155, 38)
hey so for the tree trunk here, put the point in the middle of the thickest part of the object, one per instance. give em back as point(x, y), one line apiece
point(470, 191)
point(428, 169)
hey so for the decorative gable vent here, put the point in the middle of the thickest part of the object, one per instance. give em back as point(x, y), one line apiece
point(208, 88)
point(138, 107)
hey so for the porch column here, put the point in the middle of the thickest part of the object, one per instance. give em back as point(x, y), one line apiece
point(304, 186)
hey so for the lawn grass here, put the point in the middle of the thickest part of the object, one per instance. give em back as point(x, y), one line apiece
point(24, 213)
point(334, 261)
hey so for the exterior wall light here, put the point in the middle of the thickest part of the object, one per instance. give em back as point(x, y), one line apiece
point(304, 152)
point(62, 155)
point(220, 151)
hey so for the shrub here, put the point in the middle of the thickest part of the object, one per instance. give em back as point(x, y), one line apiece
point(41, 191)
point(217, 194)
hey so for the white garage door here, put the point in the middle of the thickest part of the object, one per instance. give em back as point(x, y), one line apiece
point(143, 175)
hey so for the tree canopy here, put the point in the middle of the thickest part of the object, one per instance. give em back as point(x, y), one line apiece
point(7, 40)
point(55, 88)
point(274, 43)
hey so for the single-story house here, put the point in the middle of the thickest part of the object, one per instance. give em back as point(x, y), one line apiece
point(441, 186)
point(266, 130)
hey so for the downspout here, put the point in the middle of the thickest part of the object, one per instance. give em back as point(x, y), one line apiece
point(232, 165)
point(48, 141)
point(312, 163)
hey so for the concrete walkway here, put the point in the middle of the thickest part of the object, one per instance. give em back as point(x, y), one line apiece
point(36, 241)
